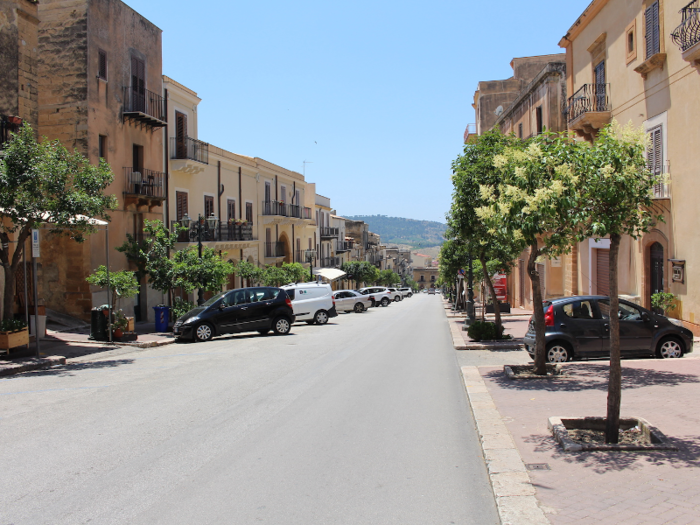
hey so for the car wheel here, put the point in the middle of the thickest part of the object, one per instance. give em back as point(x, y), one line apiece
point(263, 331)
point(359, 308)
point(558, 353)
point(281, 326)
point(203, 332)
point(410, 295)
point(385, 301)
point(396, 299)
point(321, 317)
point(669, 348)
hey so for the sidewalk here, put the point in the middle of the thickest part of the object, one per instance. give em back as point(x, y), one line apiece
point(602, 487)
point(58, 346)
point(514, 324)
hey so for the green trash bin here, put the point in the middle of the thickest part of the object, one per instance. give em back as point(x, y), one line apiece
point(98, 324)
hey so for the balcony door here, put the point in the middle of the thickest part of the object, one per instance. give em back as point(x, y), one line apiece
point(656, 265)
point(599, 87)
point(180, 135)
point(138, 84)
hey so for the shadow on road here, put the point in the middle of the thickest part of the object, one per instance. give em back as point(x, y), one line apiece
point(71, 369)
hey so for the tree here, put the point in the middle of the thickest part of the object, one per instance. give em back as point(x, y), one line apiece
point(123, 283)
point(43, 183)
point(360, 271)
point(474, 172)
point(388, 278)
point(208, 272)
point(533, 200)
point(249, 272)
point(615, 199)
point(296, 273)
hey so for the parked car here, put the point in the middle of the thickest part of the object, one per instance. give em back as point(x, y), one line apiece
point(312, 302)
point(431, 290)
point(258, 309)
point(580, 327)
point(351, 301)
point(406, 292)
point(377, 294)
point(396, 296)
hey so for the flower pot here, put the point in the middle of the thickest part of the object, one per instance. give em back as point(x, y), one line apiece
point(13, 339)
point(14, 120)
point(118, 332)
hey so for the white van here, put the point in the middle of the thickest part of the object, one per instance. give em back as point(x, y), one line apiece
point(311, 302)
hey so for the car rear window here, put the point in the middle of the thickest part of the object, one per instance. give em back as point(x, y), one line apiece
point(579, 310)
point(290, 293)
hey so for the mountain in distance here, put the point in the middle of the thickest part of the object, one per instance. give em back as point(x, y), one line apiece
point(410, 232)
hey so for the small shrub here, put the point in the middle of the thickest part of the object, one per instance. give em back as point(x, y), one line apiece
point(664, 301)
point(485, 331)
point(12, 325)
point(181, 307)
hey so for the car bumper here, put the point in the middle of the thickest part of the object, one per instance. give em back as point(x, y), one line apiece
point(332, 312)
point(183, 332)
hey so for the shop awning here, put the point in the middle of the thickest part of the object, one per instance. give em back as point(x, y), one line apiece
point(329, 273)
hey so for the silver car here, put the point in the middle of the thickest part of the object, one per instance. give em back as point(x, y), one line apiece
point(351, 301)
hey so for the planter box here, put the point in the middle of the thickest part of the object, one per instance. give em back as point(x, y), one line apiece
point(504, 308)
point(130, 327)
point(13, 339)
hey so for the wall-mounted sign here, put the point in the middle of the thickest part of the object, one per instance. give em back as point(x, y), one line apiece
point(35, 243)
point(677, 270)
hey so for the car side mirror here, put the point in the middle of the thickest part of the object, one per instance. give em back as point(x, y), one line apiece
point(645, 317)
point(222, 306)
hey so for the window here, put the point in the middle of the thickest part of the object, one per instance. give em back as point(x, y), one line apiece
point(208, 206)
point(230, 209)
point(651, 32)
point(579, 310)
point(180, 135)
point(625, 312)
point(520, 130)
point(655, 151)
point(138, 84)
point(180, 204)
point(249, 212)
point(538, 120)
point(102, 64)
point(268, 191)
point(102, 147)
point(283, 194)
point(137, 157)
point(297, 199)
point(631, 41)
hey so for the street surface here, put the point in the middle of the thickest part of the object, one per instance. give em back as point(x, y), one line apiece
point(361, 421)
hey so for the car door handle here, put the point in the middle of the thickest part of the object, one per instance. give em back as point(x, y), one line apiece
point(562, 325)
point(244, 307)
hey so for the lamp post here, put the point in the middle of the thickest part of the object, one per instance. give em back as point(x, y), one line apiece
point(197, 233)
point(310, 255)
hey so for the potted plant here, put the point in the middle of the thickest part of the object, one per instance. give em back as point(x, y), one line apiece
point(13, 332)
point(119, 324)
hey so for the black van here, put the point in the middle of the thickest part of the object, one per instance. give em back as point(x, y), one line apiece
point(258, 309)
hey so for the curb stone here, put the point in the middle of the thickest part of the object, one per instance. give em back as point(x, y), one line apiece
point(24, 365)
point(511, 484)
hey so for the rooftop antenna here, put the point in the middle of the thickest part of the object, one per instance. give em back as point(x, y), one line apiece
point(305, 163)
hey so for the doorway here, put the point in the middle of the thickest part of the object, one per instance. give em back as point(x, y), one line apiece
point(656, 266)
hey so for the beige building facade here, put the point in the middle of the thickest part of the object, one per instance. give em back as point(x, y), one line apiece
point(638, 62)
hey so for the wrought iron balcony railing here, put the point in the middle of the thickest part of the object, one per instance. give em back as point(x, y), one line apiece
point(189, 148)
point(328, 232)
point(274, 249)
point(687, 34)
point(222, 232)
point(146, 108)
point(343, 246)
point(7, 127)
point(329, 262)
point(285, 210)
point(590, 98)
point(147, 183)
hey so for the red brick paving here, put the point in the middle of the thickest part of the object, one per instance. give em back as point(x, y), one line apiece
point(610, 487)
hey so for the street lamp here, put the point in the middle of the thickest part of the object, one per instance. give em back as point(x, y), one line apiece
point(310, 255)
point(196, 233)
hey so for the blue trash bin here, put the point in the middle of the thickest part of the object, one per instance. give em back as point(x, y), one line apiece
point(162, 318)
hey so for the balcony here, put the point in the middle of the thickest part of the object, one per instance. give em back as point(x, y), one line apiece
point(274, 250)
point(687, 35)
point(222, 232)
point(589, 109)
point(343, 246)
point(144, 187)
point(146, 109)
point(8, 125)
point(329, 233)
point(187, 148)
point(469, 133)
point(329, 262)
point(282, 209)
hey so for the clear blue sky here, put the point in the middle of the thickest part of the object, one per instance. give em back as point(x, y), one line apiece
point(375, 94)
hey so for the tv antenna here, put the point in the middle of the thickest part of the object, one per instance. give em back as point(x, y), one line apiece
point(305, 163)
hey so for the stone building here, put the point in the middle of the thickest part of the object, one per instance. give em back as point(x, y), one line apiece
point(639, 62)
point(425, 277)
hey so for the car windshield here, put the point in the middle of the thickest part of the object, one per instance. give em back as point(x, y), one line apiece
point(214, 299)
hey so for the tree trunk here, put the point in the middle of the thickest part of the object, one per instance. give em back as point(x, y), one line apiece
point(492, 290)
point(612, 425)
point(538, 312)
point(10, 267)
point(9, 292)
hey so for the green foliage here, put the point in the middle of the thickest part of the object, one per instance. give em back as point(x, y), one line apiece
point(272, 275)
point(664, 301)
point(296, 273)
point(43, 183)
point(388, 278)
point(485, 331)
point(361, 271)
point(181, 307)
point(248, 271)
point(412, 284)
point(397, 230)
point(123, 283)
point(12, 325)
point(208, 272)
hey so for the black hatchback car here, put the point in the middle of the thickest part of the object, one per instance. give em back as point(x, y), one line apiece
point(578, 327)
point(244, 310)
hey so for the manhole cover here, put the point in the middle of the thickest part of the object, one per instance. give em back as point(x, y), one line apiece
point(537, 466)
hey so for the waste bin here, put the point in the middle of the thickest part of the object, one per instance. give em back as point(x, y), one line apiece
point(98, 324)
point(41, 328)
point(162, 318)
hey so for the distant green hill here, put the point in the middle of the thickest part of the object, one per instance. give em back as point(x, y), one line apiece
point(395, 230)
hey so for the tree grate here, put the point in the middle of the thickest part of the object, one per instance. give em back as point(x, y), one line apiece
point(537, 466)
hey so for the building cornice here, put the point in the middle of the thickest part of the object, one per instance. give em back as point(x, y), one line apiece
point(582, 22)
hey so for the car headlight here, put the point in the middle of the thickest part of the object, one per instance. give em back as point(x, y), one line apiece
point(677, 322)
point(190, 320)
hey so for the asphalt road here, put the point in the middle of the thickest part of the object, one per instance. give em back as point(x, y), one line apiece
point(361, 421)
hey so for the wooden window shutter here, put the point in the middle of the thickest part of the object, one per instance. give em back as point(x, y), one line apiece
point(652, 35)
point(655, 151)
point(102, 67)
point(180, 204)
point(180, 134)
